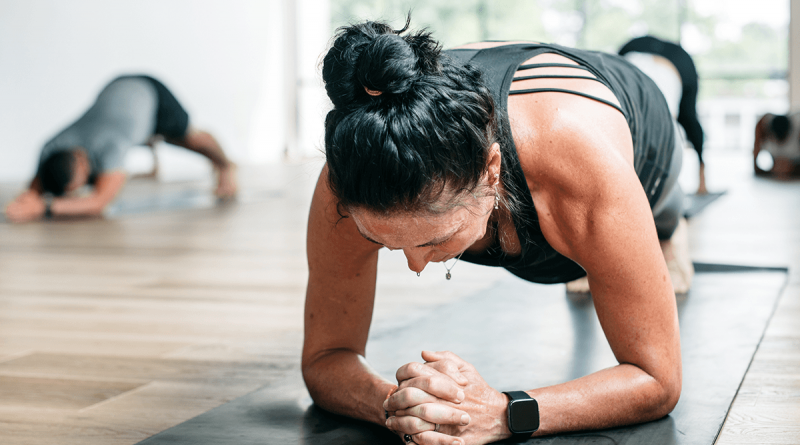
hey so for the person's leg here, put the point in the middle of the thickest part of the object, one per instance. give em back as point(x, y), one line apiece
point(672, 227)
point(172, 122)
point(204, 143)
point(687, 117)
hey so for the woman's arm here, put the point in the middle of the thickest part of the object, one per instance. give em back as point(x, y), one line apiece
point(592, 209)
point(339, 299)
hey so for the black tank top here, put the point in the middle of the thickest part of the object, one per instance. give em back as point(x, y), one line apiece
point(643, 106)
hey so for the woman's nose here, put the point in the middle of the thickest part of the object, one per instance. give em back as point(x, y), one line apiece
point(418, 258)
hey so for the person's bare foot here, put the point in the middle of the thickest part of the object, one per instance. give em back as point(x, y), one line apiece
point(701, 187)
point(227, 184)
point(676, 254)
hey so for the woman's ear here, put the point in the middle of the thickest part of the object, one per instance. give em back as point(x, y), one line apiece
point(494, 162)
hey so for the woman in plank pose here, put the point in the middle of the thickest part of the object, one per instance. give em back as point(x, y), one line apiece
point(551, 162)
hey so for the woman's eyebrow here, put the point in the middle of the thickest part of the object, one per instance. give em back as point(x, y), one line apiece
point(367, 238)
point(437, 240)
point(429, 243)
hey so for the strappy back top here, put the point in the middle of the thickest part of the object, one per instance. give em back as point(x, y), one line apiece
point(640, 101)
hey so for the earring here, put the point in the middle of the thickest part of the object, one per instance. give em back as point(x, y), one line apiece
point(496, 195)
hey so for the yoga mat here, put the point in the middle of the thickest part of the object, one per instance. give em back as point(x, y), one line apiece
point(182, 199)
point(521, 335)
point(694, 204)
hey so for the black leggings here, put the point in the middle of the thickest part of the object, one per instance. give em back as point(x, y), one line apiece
point(687, 111)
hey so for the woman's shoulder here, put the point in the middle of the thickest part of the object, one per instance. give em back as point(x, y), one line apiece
point(557, 136)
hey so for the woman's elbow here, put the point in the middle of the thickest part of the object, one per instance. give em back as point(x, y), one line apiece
point(313, 376)
point(673, 396)
point(669, 395)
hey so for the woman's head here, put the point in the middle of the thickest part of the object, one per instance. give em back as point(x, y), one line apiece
point(410, 129)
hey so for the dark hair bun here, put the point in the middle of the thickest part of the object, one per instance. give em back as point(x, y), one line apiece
point(372, 55)
point(425, 126)
point(387, 64)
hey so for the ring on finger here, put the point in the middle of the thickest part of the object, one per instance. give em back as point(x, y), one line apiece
point(408, 438)
point(437, 427)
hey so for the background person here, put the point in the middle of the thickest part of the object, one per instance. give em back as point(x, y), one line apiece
point(129, 111)
point(778, 135)
point(551, 162)
point(673, 70)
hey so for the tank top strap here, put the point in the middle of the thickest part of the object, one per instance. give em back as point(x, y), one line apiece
point(531, 66)
point(563, 90)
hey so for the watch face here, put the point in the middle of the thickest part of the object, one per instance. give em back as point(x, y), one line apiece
point(523, 416)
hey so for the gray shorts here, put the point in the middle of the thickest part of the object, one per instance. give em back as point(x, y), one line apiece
point(668, 210)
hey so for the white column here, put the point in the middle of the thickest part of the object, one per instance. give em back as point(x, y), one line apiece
point(271, 121)
point(794, 55)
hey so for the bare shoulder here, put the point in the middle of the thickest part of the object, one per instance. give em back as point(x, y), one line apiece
point(557, 133)
point(576, 153)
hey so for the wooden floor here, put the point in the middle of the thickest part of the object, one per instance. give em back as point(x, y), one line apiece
point(112, 330)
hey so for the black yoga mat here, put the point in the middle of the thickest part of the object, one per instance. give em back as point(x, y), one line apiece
point(520, 335)
point(694, 204)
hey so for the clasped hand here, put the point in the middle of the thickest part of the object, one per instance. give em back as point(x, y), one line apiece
point(28, 206)
point(444, 401)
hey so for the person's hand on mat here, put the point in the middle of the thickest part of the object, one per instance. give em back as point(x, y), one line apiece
point(419, 415)
point(27, 207)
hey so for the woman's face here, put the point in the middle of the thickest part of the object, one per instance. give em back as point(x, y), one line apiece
point(425, 237)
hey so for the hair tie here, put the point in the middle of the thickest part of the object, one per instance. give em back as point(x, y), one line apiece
point(373, 92)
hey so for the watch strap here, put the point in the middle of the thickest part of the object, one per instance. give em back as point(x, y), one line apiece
point(517, 395)
point(515, 435)
point(48, 206)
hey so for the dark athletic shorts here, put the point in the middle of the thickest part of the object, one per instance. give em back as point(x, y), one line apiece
point(172, 120)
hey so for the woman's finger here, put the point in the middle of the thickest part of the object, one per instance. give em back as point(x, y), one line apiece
point(450, 369)
point(435, 356)
point(438, 385)
point(406, 398)
point(409, 425)
point(413, 369)
point(436, 413)
point(434, 438)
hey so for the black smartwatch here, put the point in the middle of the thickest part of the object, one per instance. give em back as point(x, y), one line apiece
point(48, 207)
point(523, 415)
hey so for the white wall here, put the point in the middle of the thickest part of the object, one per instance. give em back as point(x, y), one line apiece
point(224, 60)
point(794, 54)
point(313, 38)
